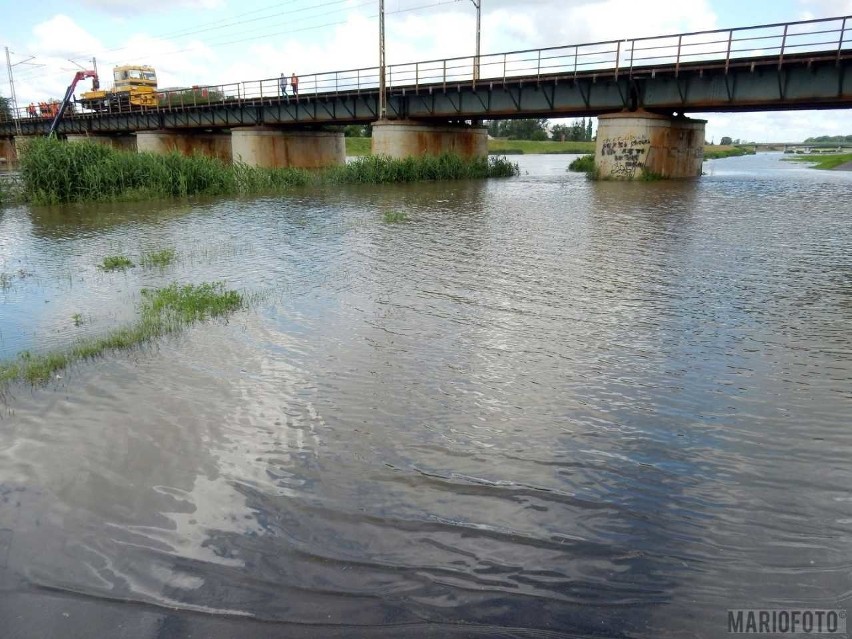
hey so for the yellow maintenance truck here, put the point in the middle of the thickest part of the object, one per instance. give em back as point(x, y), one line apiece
point(135, 88)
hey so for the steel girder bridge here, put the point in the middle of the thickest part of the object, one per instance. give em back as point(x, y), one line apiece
point(785, 66)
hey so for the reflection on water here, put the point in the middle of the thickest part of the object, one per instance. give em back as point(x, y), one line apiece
point(543, 404)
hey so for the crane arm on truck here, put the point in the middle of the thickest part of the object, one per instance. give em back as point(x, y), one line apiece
point(69, 93)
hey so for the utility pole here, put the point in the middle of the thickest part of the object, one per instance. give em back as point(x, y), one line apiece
point(383, 105)
point(14, 100)
point(478, 5)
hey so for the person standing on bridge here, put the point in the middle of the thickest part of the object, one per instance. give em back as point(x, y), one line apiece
point(294, 82)
point(283, 84)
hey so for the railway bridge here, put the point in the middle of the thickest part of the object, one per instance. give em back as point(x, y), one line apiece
point(640, 89)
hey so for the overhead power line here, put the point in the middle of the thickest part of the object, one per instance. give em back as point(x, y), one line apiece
point(250, 38)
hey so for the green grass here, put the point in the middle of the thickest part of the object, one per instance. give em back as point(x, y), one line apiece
point(822, 161)
point(54, 172)
point(363, 146)
point(395, 217)
point(380, 169)
point(162, 311)
point(522, 147)
point(116, 263)
point(583, 164)
point(715, 151)
point(359, 146)
point(158, 259)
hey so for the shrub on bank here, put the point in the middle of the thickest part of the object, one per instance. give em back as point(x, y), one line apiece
point(584, 164)
point(55, 172)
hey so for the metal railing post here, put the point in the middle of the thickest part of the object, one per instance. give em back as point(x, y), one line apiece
point(417, 76)
point(576, 53)
point(504, 68)
point(840, 41)
point(632, 48)
point(728, 54)
point(617, 58)
point(538, 66)
point(677, 62)
point(445, 75)
point(783, 44)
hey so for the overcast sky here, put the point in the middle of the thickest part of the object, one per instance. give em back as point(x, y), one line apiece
point(219, 41)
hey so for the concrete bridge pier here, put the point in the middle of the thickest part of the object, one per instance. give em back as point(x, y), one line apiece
point(634, 145)
point(409, 138)
point(274, 148)
point(8, 152)
point(162, 142)
point(125, 142)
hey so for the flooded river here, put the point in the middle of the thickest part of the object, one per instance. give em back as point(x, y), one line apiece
point(540, 407)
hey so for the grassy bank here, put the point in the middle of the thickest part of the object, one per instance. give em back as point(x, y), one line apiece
point(525, 147)
point(361, 146)
point(822, 161)
point(716, 151)
point(54, 172)
point(162, 311)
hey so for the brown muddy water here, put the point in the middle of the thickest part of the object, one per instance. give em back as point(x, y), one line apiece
point(541, 407)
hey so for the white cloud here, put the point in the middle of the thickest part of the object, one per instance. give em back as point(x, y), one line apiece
point(125, 7)
point(792, 126)
point(812, 9)
point(61, 36)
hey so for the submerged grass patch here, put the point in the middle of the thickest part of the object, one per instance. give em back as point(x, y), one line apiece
point(395, 217)
point(54, 172)
point(162, 311)
point(116, 263)
point(158, 259)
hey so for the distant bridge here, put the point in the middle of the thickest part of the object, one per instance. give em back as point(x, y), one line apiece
point(785, 66)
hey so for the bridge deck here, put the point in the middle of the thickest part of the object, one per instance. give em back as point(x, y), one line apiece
point(800, 65)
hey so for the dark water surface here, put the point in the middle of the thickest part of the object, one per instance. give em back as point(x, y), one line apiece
point(541, 407)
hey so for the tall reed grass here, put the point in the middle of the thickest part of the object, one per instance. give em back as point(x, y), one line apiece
point(55, 172)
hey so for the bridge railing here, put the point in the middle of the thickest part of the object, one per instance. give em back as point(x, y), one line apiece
point(719, 48)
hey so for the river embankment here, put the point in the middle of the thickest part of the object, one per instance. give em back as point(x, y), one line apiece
point(834, 161)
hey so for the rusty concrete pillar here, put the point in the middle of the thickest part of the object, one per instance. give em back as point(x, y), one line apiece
point(407, 138)
point(217, 145)
point(275, 148)
point(118, 142)
point(634, 145)
point(8, 152)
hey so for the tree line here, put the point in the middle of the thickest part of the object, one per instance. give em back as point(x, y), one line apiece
point(538, 129)
point(830, 139)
